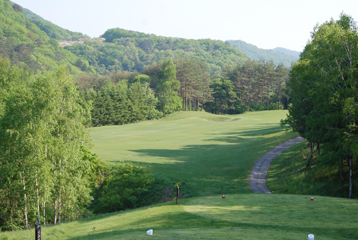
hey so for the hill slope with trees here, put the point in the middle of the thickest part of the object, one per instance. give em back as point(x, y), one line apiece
point(132, 51)
point(28, 46)
point(278, 55)
point(52, 30)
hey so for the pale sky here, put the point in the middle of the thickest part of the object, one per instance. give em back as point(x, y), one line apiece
point(264, 23)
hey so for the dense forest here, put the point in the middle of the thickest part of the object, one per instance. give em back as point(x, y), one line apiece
point(323, 88)
point(129, 51)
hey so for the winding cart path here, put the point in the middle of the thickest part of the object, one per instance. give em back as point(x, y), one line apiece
point(258, 174)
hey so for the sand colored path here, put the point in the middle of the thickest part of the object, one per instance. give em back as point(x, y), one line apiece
point(258, 174)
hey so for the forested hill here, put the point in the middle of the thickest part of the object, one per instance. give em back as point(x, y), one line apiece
point(129, 50)
point(28, 46)
point(52, 30)
point(278, 55)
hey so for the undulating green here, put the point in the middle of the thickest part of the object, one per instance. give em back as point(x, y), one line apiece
point(206, 153)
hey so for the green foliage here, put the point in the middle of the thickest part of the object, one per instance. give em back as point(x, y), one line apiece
point(124, 187)
point(122, 103)
point(277, 55)
point(117, 33)
point(27, 45)
point(169, 100)
point(224, 96)
point(323, 87)
point(193, 75)
point(128, 51)
point(41, 134)
point(257, 86)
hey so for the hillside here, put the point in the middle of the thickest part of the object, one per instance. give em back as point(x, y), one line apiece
point(52, 30)
point(129, 51)
point(278, 55)
point(28, 46)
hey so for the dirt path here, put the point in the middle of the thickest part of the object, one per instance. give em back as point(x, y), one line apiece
point(258, 174)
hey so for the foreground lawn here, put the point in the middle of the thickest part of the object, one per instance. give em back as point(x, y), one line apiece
point(239, 216)
point(206, 153)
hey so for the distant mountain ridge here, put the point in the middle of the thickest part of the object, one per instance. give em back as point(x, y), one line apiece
point(278, 55)
point(287, 52)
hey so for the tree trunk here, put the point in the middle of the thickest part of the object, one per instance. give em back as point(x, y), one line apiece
point(318, 148)
point(25, 201)
point(59, 206)
point(279, 98)
point(37, 197)
point(59, 197)
point(341, 169)
point(309, 160)
point(287, 101)
point(55, 218)
point(350, 178)
point(44, 209)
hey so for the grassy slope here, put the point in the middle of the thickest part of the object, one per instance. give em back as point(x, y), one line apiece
point(202, 143)
point(320, 178)
point(208, 154)
point(241, 216)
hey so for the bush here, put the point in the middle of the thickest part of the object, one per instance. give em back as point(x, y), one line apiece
point(124, 187)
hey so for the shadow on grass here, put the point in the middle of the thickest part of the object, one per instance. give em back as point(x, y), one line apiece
point(187, 152)
point(186, 220)
point(215, 168)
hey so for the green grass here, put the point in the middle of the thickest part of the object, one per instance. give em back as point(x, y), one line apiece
point(211, 155)
point(206, 153)
point(288, 174)
point(239, 216)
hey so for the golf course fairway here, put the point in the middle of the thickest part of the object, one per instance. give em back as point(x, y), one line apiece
point(206, 153)
point(209, 155)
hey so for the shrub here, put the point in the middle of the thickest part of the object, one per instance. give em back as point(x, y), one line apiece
point(124, 187)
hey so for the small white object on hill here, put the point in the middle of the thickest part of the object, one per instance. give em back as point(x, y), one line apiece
point(150, 232)
point(310, 237)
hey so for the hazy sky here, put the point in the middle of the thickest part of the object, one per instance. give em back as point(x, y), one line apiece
point(264, 23)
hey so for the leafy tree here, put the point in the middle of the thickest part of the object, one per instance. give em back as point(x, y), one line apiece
point(169, 101)
point(323, 89)
point(42, 132)
point(224, 96)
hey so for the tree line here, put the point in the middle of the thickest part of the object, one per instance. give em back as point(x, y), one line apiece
point(41, 148)
point(184, 84)
point(323, 89)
